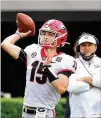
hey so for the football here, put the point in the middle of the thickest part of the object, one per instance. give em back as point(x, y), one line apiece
point(25, 23)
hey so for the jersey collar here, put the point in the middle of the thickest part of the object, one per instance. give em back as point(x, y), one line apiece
point(43, 55)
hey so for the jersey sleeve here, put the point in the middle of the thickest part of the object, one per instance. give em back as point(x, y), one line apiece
point(67, 66)
point(22, 55)
point(68, 73)
point(70, 63)
point(24, 52)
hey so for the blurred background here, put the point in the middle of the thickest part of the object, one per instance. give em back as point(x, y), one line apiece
point(78, 16)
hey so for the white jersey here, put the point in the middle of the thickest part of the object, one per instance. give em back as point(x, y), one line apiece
point(38, 91)
point(86, 101)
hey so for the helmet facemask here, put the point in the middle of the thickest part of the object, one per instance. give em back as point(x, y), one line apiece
point(52, 43)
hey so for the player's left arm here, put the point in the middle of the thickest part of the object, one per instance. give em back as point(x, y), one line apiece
point(62, 81)
point(59, 82)
point(58, 76)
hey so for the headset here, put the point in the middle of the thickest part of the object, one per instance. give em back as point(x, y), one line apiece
point(77, 47)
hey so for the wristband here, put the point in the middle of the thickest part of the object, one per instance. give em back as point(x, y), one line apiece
point(50, 75)
point(19, 35)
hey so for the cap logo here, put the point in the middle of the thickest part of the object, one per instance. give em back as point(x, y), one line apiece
point(96, 66)
point(86, 37)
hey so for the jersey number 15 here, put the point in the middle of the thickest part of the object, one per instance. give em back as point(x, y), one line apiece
point(37, 73)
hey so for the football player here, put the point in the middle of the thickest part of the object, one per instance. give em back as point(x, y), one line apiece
point(47, 71)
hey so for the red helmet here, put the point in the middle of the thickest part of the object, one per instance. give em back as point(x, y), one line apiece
point(57, 27)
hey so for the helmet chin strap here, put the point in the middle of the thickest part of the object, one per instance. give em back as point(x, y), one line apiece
point(86, 58)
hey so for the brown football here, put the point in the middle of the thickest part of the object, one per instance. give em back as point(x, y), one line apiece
point(25, 23)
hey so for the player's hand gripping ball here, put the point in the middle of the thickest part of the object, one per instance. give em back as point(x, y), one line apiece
point(25, 23)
